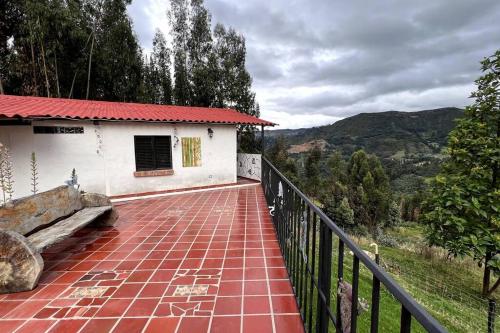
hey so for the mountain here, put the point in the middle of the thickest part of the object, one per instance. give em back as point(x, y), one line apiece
point(389, 135)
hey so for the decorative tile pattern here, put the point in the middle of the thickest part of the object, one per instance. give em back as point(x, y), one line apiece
point(196, 290)
point(197, 262)
point(91, 292)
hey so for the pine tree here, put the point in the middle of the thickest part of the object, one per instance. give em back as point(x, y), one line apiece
point(394, 214)
point(312, 172)
point(344, 213)
point(369, 187)
point(462, 211)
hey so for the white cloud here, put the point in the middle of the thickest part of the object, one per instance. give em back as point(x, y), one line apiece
point(284, 120)
point(147, 16)
point(316, 61)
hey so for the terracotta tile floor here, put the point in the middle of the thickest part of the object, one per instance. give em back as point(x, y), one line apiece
point(199, 262)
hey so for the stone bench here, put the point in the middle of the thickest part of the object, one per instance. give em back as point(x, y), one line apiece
point(30, 225)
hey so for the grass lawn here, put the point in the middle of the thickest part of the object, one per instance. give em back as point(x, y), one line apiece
point(448, 289)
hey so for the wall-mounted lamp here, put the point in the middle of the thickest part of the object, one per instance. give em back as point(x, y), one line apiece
point(210, 132)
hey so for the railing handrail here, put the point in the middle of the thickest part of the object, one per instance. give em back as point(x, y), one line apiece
point(415, 309)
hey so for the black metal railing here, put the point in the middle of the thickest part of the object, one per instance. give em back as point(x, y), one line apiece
point(307, 237)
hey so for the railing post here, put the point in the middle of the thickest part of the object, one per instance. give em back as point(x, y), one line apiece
point(324, 276)
point(405, 320)
point(340, 276)
point(354, 295)
point(491, 315)
point(313, 267)
point(375, 300)
point(306, 249)
point(262, 146)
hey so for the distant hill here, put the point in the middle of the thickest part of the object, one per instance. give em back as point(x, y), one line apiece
point(392, 134)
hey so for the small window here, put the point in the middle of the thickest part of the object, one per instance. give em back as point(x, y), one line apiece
point(191, 152)
point(152, 153)
point(57, 130)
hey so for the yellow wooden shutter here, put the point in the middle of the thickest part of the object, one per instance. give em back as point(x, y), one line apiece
point(191, 152)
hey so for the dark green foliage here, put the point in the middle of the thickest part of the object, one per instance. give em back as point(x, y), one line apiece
point(394, 215)
point(369, 188)
point(157, 83)
point(55, 44)
point(201, 62)
point(463, 208)
point(10, 12)
point(339, 211)
point(357, 193)
point(421, 133)
point(410, 206)
point(117, 59)
point(46, 38)
point(88, 50)
point(234, 85)
point(312, 181)
point(161, 56)
point(249, 140)
point(179, 16)
point(278, 156)
point(387, 241)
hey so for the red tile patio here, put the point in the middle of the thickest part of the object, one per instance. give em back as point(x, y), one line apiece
point(197, 262)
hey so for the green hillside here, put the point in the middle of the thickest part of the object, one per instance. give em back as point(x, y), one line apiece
point(387, 134)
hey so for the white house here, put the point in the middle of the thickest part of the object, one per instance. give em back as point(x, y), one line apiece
point(119, 148)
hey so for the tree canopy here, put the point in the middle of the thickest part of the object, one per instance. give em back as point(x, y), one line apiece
point(89, 50)
point(463, 208)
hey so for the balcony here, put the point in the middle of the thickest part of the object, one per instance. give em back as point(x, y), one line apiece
point(210, 261)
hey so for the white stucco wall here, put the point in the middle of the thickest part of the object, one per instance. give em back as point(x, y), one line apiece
point(104, 156)
point(249, 166)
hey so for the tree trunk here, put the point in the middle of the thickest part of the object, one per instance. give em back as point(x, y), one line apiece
point(90, 66)
point(57, 75)
point(72, 85)
point(486, 275)
point(47, 85)
point(495, 286)
point(35, 84)
point(1, 87)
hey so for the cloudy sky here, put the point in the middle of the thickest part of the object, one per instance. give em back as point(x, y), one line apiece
point(316, 61)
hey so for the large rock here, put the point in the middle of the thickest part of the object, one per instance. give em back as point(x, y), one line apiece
point(29, 213)
point(99, 200)
point(45, 219)
point(20, 264)
point(45, 238)
point(95, 200)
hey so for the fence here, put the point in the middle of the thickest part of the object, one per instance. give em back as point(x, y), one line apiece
point(306, 236)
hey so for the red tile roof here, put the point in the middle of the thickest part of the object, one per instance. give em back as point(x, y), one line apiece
point(42, 107)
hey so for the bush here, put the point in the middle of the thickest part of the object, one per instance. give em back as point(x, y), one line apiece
point(359, 230)
point(387, 241)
